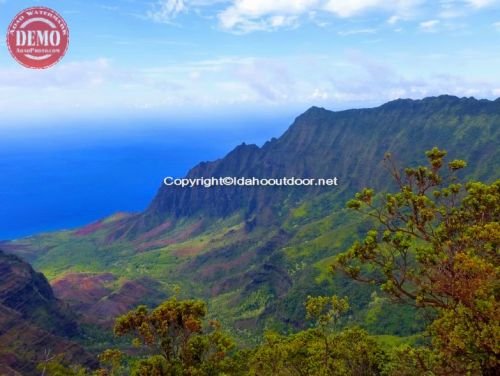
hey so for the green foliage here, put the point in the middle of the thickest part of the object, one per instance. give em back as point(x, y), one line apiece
point(155, 365)
point(320, 351)
point(56, 367)
point(437, 246)
point(326, 310)
point(350, 352)
point(113, 360)
point(406, 360)
point(174, 336)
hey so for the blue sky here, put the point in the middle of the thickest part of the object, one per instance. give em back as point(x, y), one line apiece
point(196, 57)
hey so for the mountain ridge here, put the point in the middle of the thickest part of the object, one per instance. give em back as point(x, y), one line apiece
point(305, 134)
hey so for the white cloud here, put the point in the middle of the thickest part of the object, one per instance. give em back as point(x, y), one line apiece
point(496, 25)
point(251, 15)
point(357, 31)
point(393, 20)
point(348, 8)
point(298, 81)
point(429, 26)
point(482, 3)
point(164, 11)
point(72, 75)
point(244, 16)
point(77, 86)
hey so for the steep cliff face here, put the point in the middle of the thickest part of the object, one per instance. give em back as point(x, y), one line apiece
point(347, 144)
point(29, 293)
point(33, 323)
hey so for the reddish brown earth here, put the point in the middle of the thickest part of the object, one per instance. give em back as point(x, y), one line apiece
point(130, 294)
point(211, 270)
point(100, 298)
point(82, 289)
point(102, 224)
point(155, 232)
point(188, 251)
point(178, 237)
point(89, 229)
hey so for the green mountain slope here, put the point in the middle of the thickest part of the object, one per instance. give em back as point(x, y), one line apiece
point(255, 253)
point(348, 144)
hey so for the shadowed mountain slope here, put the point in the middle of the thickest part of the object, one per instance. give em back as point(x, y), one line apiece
point(33, 323)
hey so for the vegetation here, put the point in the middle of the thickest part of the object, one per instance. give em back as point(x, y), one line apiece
point(174, 336)
point(174, 340)
point(322, 350)
point(436, 246)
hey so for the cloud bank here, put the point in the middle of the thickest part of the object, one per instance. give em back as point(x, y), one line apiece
point(245, 16)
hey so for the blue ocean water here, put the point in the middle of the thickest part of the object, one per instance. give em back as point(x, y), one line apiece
point(65, 177)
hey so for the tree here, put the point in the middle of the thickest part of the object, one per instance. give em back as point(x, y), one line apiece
point(435, 244)
point(326, 312)
point(321, 350)
point(174, 336)
point(55, 366)
point(112, 360)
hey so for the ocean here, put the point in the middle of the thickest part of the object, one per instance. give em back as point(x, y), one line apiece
point(68, 176)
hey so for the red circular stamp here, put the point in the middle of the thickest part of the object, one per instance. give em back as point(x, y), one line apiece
point(38, 38)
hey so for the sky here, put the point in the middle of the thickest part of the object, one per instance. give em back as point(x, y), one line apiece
point(182, 58)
